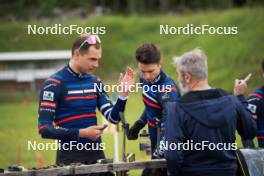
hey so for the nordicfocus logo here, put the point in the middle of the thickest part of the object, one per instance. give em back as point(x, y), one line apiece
point(58, 29)
point(191, 145)
point(57, 145)
point(138, 87)
point(190, 29)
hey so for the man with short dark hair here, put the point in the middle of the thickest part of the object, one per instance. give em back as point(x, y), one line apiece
point(157, 89)
point(201, 126)
point(256, 106)
point(68, 102)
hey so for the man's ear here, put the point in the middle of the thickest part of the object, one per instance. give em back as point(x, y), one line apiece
point(187, 77)
point(76, 54)
point(161, 62)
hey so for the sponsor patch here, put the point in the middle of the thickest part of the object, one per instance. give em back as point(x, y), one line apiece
point(165, 96)
point(252, 108)
point(46, 110)
point(48, 95)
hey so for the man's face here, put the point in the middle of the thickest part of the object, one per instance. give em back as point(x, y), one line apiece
point(149, 71)
point(88, 61)
point(182, 82)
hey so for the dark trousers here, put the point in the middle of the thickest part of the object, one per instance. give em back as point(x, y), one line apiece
point(66, 157)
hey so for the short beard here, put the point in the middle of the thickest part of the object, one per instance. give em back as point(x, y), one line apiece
point(183, 86)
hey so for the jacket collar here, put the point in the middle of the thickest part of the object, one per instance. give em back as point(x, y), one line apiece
point(208, 94)
point(74, 74)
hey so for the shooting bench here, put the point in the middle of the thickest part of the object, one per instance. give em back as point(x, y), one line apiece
point(93, 168)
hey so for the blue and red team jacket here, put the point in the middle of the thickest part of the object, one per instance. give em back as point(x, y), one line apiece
point(256, 106)
point(155, 95)
point(68, 102)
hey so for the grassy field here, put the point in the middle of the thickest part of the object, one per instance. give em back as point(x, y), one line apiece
point(229, 57)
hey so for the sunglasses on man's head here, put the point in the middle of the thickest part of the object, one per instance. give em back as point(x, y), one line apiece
point(90, 40)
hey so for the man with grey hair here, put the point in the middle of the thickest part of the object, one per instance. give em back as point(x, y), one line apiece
point(194, 63)
point(203, 122)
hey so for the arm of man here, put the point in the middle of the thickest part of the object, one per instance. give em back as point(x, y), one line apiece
point(256, 107)
point(106, 107)
point(110, 111)
point(246, 125)
point(254, 104)
point(164, 97)
point(48, 102)
point(137, 126)
point(169, 93)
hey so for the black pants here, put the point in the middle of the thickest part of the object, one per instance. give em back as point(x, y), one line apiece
point(67, 157)
point(81, 156)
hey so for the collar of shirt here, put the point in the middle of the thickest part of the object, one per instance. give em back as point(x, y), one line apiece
point(78, 75)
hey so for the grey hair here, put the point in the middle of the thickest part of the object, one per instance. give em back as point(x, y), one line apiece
point(193, 62)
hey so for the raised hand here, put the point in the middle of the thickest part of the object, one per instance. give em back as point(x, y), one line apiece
point(240, 86)
point(127, 81)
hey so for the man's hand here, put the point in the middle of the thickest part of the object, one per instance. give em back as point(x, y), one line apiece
point(92, 132)
point(134, 130)
point(240, 86)
point(127, 81)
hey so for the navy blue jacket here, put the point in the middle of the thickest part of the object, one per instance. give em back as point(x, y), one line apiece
point(68, 102)
point(213, 116)
point(256, 106)
point(155, 95)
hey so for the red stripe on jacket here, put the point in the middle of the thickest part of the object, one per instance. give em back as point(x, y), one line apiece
point(80, 97)
point(256, 95)
point(74, 118)
point(54, 80)
point(150, 123)
point(41, 127)
point(260, 137)
point(48, 104)
point(151, 104)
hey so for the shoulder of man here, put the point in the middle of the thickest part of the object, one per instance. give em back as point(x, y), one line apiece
point(257, 94)
point(57, 78)
point(54, 80)
point(168, 90)
point(51, 86)
point(255, 100)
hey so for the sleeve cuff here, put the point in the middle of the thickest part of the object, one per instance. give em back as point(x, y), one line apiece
point(75, 133)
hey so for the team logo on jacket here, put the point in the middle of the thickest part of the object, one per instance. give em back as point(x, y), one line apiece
point(165, 96)
point(252, 108)
point(48, 95)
